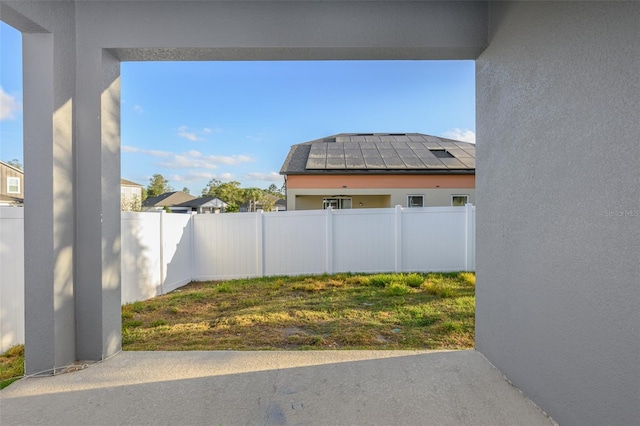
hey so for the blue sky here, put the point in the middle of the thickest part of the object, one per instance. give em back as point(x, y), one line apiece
point(194, 121)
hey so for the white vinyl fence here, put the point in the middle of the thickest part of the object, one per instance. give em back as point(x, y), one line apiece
point(11, 277)
point(161, 252)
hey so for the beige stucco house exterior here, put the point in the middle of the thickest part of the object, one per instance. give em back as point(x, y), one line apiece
point(11, 185)
point(130, 195)
point(377, 170)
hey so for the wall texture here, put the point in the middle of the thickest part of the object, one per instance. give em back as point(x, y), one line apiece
point(558, 190)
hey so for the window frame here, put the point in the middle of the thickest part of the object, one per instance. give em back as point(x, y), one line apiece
point(409, 198)
point(459, 195)
point(17, 185)
point(340, 201)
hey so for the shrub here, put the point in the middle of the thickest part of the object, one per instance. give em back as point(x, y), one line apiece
point(438, 289)
point(413, 280)
point(468, 278)
point(224, 288)
point(397, 289)
point(382, 280)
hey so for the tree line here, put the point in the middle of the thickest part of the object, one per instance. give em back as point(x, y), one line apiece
point(229, 192)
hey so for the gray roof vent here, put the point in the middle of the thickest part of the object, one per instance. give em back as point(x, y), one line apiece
point(441, 153)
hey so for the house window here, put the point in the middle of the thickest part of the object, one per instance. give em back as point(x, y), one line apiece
point(415, 201)
point(13, 185)
point(336, 203)
point(459, 200)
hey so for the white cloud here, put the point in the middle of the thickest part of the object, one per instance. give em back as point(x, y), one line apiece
point(8, 105)
point(230, 160)
point(199, 176)
point(268, 177)
point(182, 161)
point(195, 135)
point(464, 135)
point(138, 109)
point(184, 132)
point(153, 153)
point(193, 177)
point(191, 159)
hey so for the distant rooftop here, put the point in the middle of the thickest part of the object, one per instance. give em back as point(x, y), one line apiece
point(381, 153)
point(169, 199)
point(125, 182)
point(204, 202)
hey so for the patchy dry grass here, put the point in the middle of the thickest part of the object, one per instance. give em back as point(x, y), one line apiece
point(343, 311)
point(11, 365)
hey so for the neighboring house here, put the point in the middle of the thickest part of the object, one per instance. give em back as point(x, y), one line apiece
point(11, 185)
point(130, 195)
point(205, 205)
point(275, 204)
point(170, 201)
point(374, 170)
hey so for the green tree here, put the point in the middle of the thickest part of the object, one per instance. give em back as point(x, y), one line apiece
point(15, 163)
point(274, 190)
point(257, 198)
point(229, 192)
point(211, 188)
point(158, 185)
point(185, 190)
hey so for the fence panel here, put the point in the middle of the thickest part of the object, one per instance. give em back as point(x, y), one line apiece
point(364, 240)
point(11, 277)
point(433, 239)
point(140, 256)
point(225, 246)
point(177, 246)
point(295, 243)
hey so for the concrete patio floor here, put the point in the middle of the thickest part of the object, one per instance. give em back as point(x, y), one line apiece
point(274, 388)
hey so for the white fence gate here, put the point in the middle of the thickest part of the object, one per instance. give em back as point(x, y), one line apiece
point(161, 252)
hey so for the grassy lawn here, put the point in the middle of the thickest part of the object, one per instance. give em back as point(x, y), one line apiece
point(11, 365)
point(343, 311)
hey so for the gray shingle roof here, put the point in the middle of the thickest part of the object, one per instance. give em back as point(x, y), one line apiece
point(169, 199)
point(381, 153)
point(204, 202)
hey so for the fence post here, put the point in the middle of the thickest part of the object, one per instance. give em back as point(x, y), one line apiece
point(398, 236)
point(162, 269)
point(329, 240)
point(259, 244)
point(469, 235)
point(192, 246)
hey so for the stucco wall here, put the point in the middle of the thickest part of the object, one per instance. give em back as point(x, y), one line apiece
point(558, 184)
point(381, 181)
point(305, 199)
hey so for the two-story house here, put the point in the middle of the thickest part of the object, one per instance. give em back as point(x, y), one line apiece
point(11, 185)
point(374, 170)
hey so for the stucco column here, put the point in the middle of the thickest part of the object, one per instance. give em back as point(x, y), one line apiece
point(72, 189)
point(97, 271)
point(49, 68)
